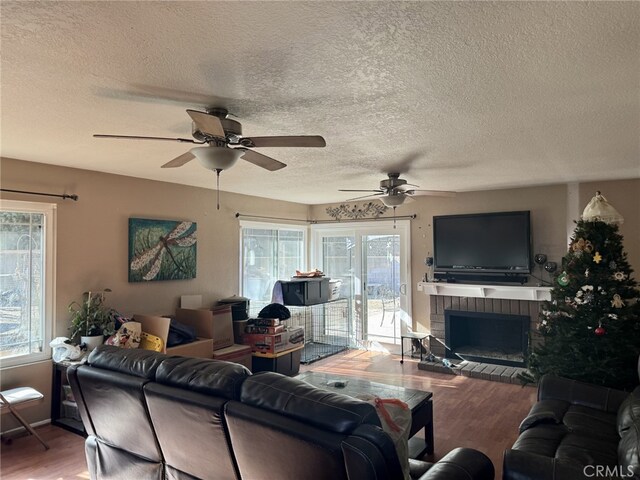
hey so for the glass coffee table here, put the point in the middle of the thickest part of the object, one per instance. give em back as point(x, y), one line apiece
point(420, 403)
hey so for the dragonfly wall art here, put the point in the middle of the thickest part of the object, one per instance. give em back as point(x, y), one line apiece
point(161, 250)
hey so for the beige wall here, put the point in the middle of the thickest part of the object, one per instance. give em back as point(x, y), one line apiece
point(92, 244)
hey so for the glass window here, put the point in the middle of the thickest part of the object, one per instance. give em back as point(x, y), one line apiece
point(269, 253)
point(26, 281)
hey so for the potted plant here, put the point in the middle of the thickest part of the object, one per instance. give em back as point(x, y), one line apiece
point(91, 320)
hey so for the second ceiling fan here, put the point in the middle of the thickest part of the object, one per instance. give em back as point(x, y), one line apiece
point(394, 191)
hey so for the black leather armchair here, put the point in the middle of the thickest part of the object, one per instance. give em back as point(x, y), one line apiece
point(150, 416)
point(577, 431)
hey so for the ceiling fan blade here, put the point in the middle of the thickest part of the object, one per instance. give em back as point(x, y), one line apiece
point(433, 193)
point(348, 190)
point(375, 195)
point(404, 188)
point(282, 141)
point(138, 137)
point(179, 161)
point(208, 124)
point(262, 160)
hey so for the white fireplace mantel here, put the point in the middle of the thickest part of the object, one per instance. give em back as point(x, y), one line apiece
point(509, 292)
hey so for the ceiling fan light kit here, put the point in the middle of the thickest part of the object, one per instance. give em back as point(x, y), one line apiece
point(217, 158)
point(393, 200)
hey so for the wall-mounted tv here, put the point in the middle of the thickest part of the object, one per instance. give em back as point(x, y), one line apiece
point(482, 247)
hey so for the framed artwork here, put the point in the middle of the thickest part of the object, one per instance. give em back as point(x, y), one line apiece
point(161, 250)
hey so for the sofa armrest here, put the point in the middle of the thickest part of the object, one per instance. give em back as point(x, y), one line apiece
point(520, 465)
point(461, 464)
point(598, 397)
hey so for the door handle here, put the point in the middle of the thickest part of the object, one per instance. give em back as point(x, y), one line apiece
point(403, 289)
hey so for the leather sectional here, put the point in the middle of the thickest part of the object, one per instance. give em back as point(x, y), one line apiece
point(577, 431)
point(152, 416)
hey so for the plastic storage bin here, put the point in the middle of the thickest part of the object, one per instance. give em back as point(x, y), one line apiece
point(308, 291)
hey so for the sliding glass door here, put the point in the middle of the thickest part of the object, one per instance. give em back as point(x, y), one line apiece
point(372, 261)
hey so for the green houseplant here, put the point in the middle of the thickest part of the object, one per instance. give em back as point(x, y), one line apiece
point(91, 318)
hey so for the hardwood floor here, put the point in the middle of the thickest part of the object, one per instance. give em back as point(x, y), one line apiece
point(468, 412)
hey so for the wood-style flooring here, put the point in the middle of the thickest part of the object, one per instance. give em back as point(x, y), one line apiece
point(468, 412)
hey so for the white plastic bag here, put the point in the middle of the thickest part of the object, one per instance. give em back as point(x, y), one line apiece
point(395, 418)
point(61, 350)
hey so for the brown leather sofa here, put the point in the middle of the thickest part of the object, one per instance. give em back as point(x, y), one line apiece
point(577, 431)
point(151, 416)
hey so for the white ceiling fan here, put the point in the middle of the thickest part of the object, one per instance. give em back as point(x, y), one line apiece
point(394, 191)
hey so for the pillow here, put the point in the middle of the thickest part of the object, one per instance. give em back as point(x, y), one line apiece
point(151, 342)
point(127, 336)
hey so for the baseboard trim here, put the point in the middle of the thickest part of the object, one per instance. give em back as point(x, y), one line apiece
point(22, 429)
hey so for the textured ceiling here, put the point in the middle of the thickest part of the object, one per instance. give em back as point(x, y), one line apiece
point(457, 95)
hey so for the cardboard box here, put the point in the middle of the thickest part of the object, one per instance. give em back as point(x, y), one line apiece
point(159, 326)
point(279, 342)
point(235, 353)
point(217, 323)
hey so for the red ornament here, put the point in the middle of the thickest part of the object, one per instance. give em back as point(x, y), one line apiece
point(600, 331)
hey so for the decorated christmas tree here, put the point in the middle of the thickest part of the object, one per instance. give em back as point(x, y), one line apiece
point(591, 326)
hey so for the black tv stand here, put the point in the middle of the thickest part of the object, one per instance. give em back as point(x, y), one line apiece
point(449, 277)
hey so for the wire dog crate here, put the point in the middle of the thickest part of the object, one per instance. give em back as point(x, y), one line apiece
point(327, 328)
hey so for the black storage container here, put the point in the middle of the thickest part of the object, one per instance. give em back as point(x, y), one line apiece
point(239, 307)
point(286, 363)
point(306, 291)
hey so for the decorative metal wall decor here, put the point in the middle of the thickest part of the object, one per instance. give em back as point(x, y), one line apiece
point(161, 250)
point(375, 209)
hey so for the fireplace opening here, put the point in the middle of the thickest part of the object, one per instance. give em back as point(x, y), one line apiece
point(496, 338)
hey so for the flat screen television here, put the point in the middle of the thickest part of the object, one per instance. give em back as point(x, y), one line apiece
point(482, 247)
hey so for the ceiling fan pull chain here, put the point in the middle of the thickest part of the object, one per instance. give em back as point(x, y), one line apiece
point(394, 216)
point(218, 170)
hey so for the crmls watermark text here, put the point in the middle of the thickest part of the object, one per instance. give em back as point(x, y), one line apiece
point(605, 471)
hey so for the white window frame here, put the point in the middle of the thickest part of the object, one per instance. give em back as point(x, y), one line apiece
point(48, 210)
point(244, 224)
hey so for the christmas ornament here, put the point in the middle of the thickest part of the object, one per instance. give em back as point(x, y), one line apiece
point(586, 273)
point(597, 257)
point(563, 279)
point(599, 210)
point(620, 276)
point(600, 331)
point(617, 301)
point(613, 265)
point(588, 246)
point(584, 295)
point(578, 245)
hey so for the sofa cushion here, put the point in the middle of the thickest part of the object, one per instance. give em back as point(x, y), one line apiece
point(591, 422)
point(299, 400)
point(557, 441)
point(212, 377)
point(140, 363)
point(587, 450)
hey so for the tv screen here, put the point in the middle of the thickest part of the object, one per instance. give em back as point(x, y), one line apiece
point(493, 243)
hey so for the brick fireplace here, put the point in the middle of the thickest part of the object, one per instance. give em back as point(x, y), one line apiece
point(497, 338)
point(514, 315)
